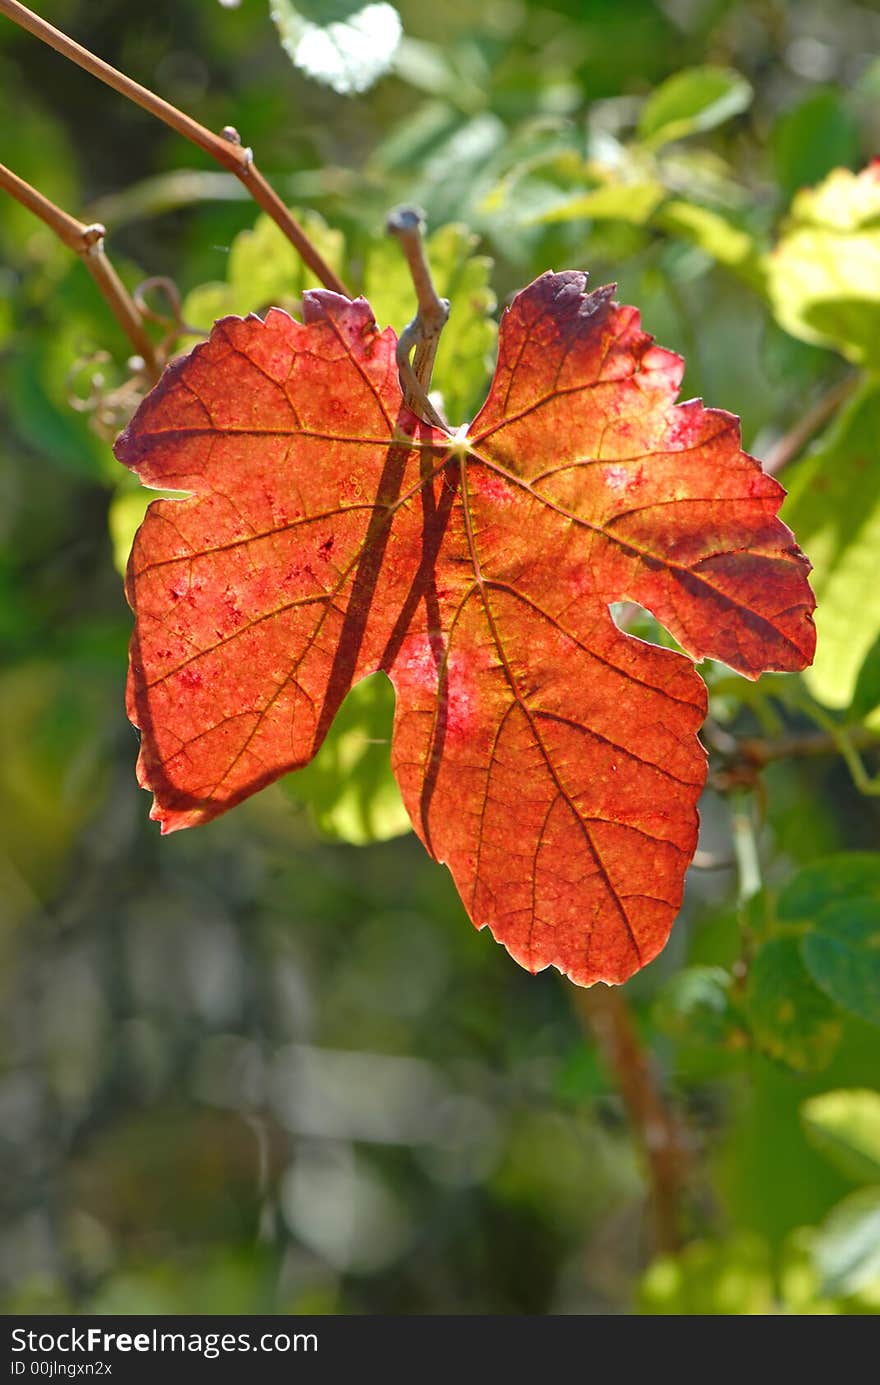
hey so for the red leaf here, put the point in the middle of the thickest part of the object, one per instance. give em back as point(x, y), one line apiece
point(550, 759)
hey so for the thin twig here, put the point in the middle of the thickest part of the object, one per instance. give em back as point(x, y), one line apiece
point(226, 147)
point(752, 753)
point(88, 243)
point(605, 1014)
point(423, 333)
point(792, 443)
point(806, 744)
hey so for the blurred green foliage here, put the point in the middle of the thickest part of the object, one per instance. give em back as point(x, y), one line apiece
point(254, 1069)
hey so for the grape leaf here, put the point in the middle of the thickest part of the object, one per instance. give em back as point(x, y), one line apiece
point(548, 758)
point(845, 1125)
point(835, 508)
point(263, 269)
point(733, 1277)
point(344, 44)
point(791, 1019)
point(847, 1248)
point(839, 900)
point(824, 275)
point(842, 954)
point(348, 788)
point(699, 98)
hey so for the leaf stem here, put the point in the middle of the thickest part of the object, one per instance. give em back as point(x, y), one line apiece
point(226, 147)
point(604, 1012)
point(848, 741)
point(745, 850)
point(423, 333)
point(753, 752)
point(87, 241)
point(792, 443)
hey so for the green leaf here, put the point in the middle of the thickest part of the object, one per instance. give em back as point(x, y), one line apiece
point(697, 99)
point(54, 761)
point(715, 235)
point(842, 954)
point(834, 508)
point(264, 270)
point(708, 1278)
point(824, 276)
point(845, 1126)
point(632, 202)
point(800, 1281)
point(442, 72)
point(461, 370)
point(831, 881)
point(866, 698)
point(695, 1006)
point(344, 44)
point(847, 1246)
point(791, 1019)
point(818, 135)
point(125, 516)
point(838, 902)
point(351, 793)
point(38, 389)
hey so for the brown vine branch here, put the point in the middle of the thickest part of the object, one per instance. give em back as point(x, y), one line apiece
point(799, 747)
point(88, 243)
point(792, 443)
point(423, 333)
point(606, 1015)
point(746, 756)
point(226, 147)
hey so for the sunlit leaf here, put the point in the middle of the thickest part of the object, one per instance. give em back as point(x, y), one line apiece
point(616, 201)
point(824, 275)
point(835, 506)
point(866, 696)
point(264, 270)
point(345, 44)
point(847, 1247)
point(349, 788)
point(550, 759)
point(714, 234)
point(124, 517)
point(845, 1125)
point(699, 98)
point(711, 1278)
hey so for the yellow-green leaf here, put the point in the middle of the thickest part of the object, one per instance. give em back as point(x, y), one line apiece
point(727, 244)
point(699, 98)
point(824, 276)
point(845, 1126)
point(790, 1017)
point(834, 508)
point(633, 202)
point(731, 1277)
point(264, 270)
point(351, 793)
